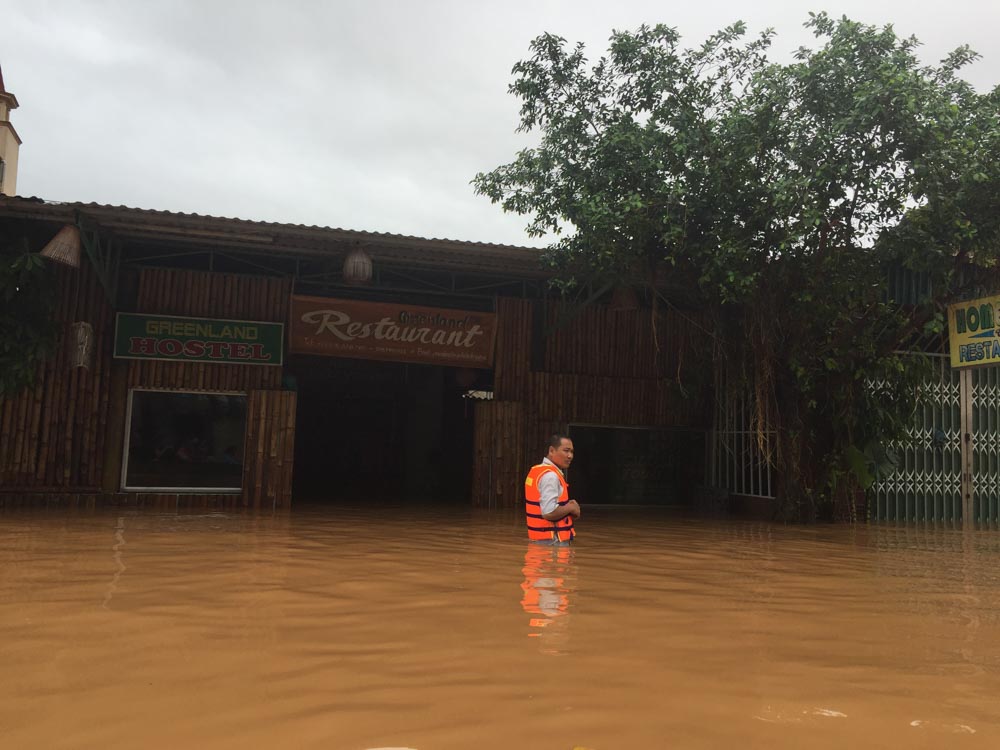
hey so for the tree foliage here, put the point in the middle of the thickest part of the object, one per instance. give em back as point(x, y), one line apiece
point(27, 326)
point(786, 192)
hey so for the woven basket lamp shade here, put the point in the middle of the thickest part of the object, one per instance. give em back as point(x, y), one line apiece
point(358, 267)
point(64, 247)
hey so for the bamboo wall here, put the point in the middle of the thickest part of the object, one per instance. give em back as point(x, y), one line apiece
point(603, 366)
point(602, 341)
point(52, 434)
point(201, 294)
point(500, 444)
point(270, 437)
point(270, 449)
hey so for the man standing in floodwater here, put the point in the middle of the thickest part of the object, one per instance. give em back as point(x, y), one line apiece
point(549, 511)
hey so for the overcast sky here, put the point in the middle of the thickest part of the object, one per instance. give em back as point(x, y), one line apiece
point(359, 114)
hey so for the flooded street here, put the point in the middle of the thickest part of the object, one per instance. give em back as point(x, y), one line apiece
point(444, 630)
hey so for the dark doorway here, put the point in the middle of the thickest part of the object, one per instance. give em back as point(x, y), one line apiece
point(369, 430)
point(635, 466)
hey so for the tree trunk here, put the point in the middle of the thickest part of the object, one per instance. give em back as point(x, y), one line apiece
point(797, 473)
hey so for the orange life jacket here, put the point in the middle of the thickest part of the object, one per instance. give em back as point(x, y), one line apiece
point(538, 528)
point(546, 595)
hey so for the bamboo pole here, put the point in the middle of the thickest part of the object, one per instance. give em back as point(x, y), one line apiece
point(258, 473)
point(21, 415)
point(291, 404)
point(6, 418)
point(48, 378)
point(271, 447)
point(204, 294)
point(105, 365)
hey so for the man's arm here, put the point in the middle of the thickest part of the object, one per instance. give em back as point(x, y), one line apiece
point(549, 490)
point(571, 508)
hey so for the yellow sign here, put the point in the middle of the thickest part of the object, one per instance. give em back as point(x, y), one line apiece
point(973, 334)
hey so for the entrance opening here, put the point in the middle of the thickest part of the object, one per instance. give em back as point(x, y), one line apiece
point(369, 430)
point(636, 466)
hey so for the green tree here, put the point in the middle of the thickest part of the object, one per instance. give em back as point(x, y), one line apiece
point(28, 329)
point(786, 193)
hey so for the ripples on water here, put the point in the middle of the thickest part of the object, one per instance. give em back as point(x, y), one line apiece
point(440, 629)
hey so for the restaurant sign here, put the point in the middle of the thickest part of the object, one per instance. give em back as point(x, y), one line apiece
point(176, 339)
point(402, 333)
point(972, 332)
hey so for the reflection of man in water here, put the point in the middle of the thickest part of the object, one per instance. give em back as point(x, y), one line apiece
point(549, 511)
point(546, 594)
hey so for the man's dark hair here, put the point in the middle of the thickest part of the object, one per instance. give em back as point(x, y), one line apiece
point(556, 440)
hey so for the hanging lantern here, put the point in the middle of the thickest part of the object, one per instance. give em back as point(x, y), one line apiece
point(358, 267)
point(81, 343)
point(64, 247)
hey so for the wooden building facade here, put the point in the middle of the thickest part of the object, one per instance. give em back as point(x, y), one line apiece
point(606, 368)
point(252, 434)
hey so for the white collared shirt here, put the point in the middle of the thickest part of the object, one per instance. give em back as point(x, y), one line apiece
point(549, 488)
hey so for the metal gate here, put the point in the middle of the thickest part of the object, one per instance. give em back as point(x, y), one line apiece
point(927, 483)
point(984, 445)
point(949, 462)
point(740, 456)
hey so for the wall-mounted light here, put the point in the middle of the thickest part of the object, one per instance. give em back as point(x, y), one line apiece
point(81, 344)
point(358, 267)
point(64, 247)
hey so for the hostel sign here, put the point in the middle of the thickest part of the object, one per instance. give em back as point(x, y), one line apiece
point(973, 334)
point(401, 333)
point(176, 339)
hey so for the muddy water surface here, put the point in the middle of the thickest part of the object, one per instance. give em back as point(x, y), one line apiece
point(440, 630)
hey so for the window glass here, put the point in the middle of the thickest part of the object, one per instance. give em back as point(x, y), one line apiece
point(185, 441)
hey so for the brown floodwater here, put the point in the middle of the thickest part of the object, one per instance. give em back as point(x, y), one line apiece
point(440, 629)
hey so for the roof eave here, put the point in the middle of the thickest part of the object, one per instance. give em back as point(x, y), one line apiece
point(176, 230)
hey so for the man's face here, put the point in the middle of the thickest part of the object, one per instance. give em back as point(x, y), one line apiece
point(563, 455)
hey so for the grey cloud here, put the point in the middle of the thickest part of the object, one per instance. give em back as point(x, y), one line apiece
point(369, 115)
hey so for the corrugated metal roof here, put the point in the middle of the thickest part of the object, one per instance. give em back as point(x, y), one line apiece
point(187, 229)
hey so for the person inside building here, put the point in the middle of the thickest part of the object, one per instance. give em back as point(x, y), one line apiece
point(549, 510)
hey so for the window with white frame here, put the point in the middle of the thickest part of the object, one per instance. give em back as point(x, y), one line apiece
point(184, 441)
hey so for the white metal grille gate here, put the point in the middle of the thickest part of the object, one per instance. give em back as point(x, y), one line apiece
point(949, 463)
point(927, 483)
point(984, 446)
